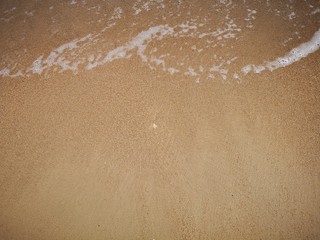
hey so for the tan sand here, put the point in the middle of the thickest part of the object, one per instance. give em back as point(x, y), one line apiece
point(128, 152)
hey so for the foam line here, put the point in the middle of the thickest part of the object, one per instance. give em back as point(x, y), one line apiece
point(296, 54)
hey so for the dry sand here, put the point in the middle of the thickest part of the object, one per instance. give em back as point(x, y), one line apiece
point(129, 151)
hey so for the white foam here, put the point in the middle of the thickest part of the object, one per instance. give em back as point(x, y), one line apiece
point(72, 2)
point(236, 76)
point(292, 15)
point(317, 10)
point(172, 70)
point(117, 13)
point(56, 58)
point(146, 5)
point(5, 72)
point(221, 71)
point(296, 54)
point(191, 72)
point(139, 42)
point(37, 66)
point(29, 13)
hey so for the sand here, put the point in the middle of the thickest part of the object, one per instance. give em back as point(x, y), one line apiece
point(134, 145)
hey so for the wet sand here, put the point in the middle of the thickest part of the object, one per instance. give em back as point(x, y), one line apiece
point(132, 150)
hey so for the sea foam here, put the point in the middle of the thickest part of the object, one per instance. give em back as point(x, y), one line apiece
point(296, 54)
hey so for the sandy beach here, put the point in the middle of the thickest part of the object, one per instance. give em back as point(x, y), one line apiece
point(159, 119)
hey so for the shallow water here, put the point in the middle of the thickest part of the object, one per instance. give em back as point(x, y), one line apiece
point(200, 40)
